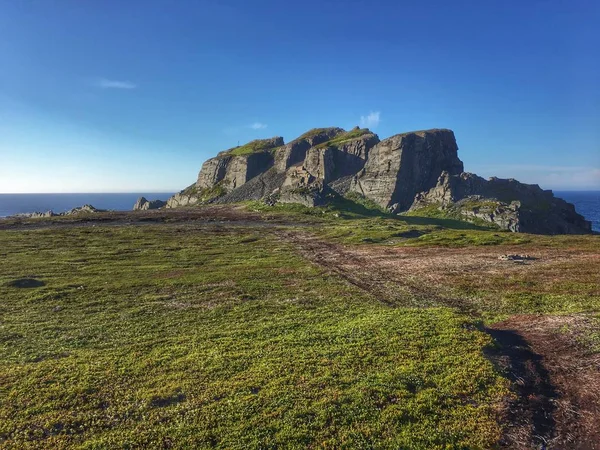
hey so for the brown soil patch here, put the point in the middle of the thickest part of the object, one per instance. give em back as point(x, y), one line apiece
point(556, 382)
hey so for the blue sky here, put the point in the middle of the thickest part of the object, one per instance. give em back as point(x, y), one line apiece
point(114, 96)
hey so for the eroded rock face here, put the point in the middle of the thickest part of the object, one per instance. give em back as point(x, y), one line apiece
point(295, 152)
point(507, 203)
point(142, 204)
point(403, 165)
point(243, 168)
point(182, 198)
point(213, 171)
point(236, 166)
point(406, 171)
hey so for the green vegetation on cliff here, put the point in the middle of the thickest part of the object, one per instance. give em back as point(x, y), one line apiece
point(345, 137)
point(256, 146)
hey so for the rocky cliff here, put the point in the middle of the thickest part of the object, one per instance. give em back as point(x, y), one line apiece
point(414, 171)
point(508, 203)
point(142, 204)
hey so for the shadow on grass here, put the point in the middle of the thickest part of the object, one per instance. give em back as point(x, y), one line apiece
point(26, 283)
point(347, 205)
point(533, 407)
point(445, 223)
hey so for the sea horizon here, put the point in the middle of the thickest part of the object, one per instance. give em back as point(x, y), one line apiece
point(23, 203)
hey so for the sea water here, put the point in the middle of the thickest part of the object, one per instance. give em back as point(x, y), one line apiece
point(11, 204)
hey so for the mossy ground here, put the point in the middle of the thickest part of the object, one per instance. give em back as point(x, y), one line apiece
point(188, 335)
point(164, 335)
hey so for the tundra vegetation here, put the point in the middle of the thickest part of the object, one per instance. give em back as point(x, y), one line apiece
point(281, 326)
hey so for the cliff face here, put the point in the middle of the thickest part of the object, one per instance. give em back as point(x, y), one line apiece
point(508, 203)
point(409, 171)
point(142, 204)
point(403, 165)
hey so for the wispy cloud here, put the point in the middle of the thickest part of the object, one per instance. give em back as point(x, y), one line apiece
point(105, 83)
point(371, 120)
point(258, 126)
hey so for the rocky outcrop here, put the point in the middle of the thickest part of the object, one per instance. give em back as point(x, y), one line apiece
point(410, 171)
point(403, 165)
point(234, 167)
point(265, 167)
point(187, 197)
point(35, 215)
point(295, 152)
point(142, 204)
point(509, 204)
point(85, 209)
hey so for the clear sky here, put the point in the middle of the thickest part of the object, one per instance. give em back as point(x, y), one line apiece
point(117, 96)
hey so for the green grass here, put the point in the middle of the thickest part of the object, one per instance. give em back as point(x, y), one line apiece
point(345, 137)
point(256, 146)
point(356, 220)
point(162, 335)
point(314, 132)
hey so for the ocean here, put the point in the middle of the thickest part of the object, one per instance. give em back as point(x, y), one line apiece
point(11, 204)
point(587, 203)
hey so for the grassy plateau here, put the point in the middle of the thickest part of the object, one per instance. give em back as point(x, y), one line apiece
point(199, 335)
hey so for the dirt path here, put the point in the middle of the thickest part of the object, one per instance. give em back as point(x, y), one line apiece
point(556, 384)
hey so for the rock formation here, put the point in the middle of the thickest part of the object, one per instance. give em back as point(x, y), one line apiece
point(401, 166)
point(413, 171)
point(142, 204)
point(85, 209)
point(508, 203)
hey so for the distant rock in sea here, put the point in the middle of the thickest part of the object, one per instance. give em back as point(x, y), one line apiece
point(417, 172)
point(85, 209)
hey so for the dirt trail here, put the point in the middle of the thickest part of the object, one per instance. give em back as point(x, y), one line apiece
point(557, 382)
point(557, 385)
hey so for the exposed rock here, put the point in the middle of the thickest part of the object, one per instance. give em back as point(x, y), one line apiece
point(295, 152)
point(352, 155)
point(86, 209)
point(515, 258)
point(187, 197)
point(257, 188)
point(78, 210)
point(413, 171)
point(213, 171)
point(319, 163)
point(143, 204)
point(37, 214)
point(243, 168)
point(401, 166)
point(507, 203)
